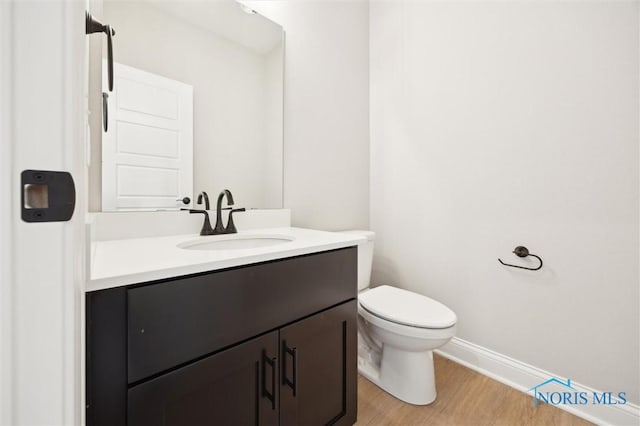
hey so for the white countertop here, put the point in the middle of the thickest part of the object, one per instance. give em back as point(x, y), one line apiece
point(122, 262)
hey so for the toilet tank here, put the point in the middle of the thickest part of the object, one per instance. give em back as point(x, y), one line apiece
point(365, 257)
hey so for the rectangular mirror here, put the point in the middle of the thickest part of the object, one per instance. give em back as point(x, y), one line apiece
point(197, 105)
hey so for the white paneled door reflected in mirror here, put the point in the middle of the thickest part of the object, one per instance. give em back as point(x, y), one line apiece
point(197, 105)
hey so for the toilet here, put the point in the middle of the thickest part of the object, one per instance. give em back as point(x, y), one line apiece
point(397, 333)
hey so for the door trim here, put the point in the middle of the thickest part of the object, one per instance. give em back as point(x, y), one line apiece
point(43, 50)
point(6, 241)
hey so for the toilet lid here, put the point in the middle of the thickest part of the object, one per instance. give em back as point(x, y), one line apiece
point(405, 307)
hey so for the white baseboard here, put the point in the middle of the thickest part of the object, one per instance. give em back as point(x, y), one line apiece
point(523, 377)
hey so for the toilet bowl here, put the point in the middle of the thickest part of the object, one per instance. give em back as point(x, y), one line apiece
point(397, 333)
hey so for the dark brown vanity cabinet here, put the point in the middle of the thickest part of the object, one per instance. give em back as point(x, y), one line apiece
point(318, 356)
point(236, 386)
point(267, 344)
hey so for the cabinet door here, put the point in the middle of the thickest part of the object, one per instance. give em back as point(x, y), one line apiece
point(318, 369)
point(237, 386)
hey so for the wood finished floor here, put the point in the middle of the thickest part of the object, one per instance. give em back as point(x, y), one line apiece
point(464, 398)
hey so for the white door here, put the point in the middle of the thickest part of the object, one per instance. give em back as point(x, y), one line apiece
point(147, 150)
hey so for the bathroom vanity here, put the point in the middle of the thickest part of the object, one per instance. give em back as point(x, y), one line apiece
point(269, 342)
point(216, 330)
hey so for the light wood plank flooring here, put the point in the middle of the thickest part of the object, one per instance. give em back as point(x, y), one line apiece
point(464, 398)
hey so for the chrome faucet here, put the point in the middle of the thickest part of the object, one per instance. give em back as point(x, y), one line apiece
point(231, 227)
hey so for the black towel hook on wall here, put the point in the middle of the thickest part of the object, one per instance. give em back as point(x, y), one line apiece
point(92, 26)
point(522, 251)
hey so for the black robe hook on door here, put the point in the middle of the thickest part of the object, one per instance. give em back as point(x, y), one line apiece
point(522, 251)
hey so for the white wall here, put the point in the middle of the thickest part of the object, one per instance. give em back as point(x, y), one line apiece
point(274, 108)
point(497, 124)
point(231, 101)
point(326, 134)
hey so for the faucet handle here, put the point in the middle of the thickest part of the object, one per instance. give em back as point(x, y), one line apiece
point(231, 227)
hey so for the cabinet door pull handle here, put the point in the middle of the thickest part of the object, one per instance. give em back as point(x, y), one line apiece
point(293, 384)
point(271, 396)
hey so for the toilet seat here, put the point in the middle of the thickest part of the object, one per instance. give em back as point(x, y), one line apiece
point(407, 330)
point(406, 308)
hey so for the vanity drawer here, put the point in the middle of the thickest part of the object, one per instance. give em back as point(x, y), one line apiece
point(174, 322)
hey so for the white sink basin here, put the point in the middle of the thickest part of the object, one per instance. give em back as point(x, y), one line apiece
point(234, 242)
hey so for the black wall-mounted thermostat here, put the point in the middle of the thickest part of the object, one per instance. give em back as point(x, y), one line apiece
point(47, 196)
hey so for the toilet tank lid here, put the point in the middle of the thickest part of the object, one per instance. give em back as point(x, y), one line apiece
point(369, 235)
point(406, 307)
